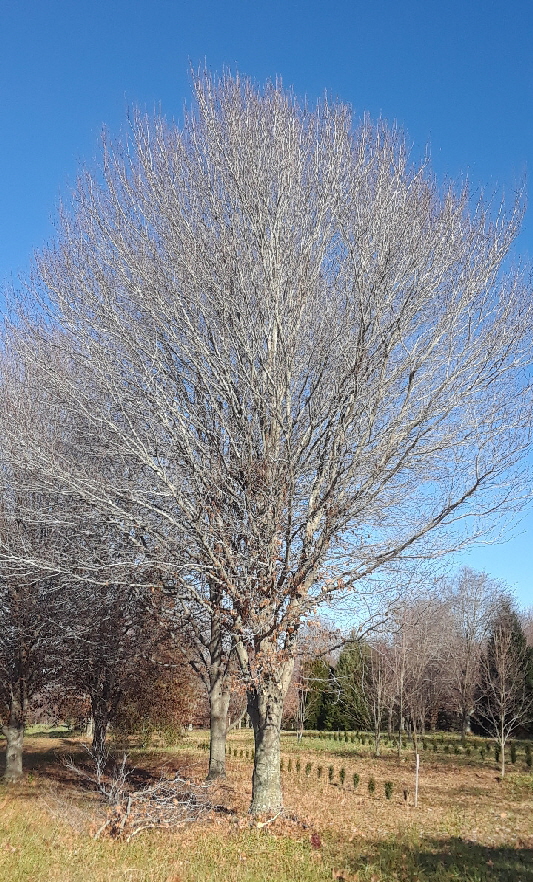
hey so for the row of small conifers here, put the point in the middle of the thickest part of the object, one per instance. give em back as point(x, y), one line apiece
point(318, 771)
point(468, 746)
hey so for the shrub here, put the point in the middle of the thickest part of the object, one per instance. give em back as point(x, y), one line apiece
point(513, 752)
point(389, 787)
point(342, 776)
point(356, 780)
point(331, 774)
point(482, 752)
point(497, 753)
point(371, 785)
point(455, 749)
point(528, 755)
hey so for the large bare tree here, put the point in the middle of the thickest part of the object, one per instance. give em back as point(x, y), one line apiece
point(302, 358)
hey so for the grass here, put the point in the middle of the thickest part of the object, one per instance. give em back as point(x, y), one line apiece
point(469, 825)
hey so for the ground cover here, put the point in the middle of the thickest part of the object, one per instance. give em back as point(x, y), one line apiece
point(469, 824)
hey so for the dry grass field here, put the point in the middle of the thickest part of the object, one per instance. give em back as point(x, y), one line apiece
point(469, 824)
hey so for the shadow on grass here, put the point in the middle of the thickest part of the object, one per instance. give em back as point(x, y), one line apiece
point(60, 732)
point(435, 860)
point(52, 763)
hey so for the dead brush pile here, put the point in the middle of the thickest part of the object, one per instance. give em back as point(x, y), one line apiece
point(167, 804)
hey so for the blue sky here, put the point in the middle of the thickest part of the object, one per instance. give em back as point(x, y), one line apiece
point(455, 75)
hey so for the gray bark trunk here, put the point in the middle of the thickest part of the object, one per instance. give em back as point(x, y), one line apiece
point(219, 693)
point(100, 724)
point(14, 732)
point(218, 707)
point(377, 741)
point(466, 723)
point(265, 707)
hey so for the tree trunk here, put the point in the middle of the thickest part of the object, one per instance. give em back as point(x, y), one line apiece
point(219, 692)
point(265, 707)
point(219, 697)
point(415, 738)
point(465, 723)
point(14, 732)
point(100, 712)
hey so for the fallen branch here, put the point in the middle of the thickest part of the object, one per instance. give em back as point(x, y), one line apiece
point(167, 804)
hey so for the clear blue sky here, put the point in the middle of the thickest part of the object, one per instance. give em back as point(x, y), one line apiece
point(456, 75)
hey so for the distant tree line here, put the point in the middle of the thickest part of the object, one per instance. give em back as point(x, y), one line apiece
point(456, 657)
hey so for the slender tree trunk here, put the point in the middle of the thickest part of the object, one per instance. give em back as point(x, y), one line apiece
point(14, 733)
point(219, 696)
point(265, 707)
point(100, 713)
point(377, 739)
point(415, 737)
point(465, 723)
point(219, 693)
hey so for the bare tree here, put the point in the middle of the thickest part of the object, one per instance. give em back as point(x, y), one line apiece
point(379, 683)
point(426, 635)
point(505, 702)
point(205, 631)
point(472, 598)
point(303, 359)
point(30, 641)
point(527, 624)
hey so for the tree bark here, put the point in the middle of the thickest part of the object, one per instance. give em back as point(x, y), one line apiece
point(219, 697)
point(100, 714)
point(265, 708)
point(219, 693)
point(466, 723)
point(14, 733)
